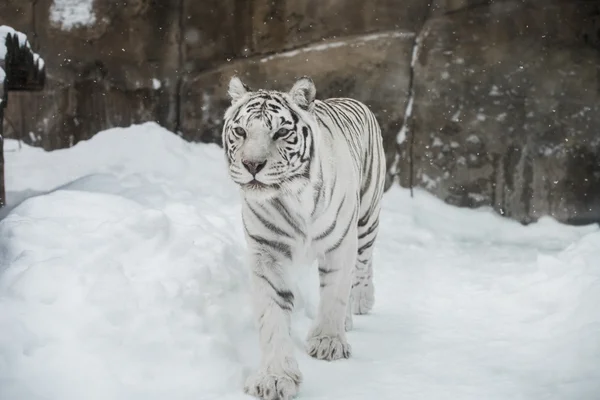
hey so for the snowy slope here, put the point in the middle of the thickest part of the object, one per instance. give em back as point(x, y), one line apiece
point(123, 279)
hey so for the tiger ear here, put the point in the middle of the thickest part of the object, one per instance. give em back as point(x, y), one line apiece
point(237, 89)
point(303, 92)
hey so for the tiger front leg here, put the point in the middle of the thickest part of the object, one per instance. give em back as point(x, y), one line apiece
point(327, 338)
point(278, 376)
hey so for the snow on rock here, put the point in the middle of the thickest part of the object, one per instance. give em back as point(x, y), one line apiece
point(69, 14)
point(402, 134)
point(4, 32)
point(124, 279)
point(360, 40)
point(401, 137)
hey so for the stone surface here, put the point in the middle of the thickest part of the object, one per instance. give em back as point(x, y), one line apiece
point(339, 68)
point(218, 29)
point(506, 110)
point(505, 91)
point(107, 73)
point(99, 76)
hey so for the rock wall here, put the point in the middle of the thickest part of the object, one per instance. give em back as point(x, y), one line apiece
point(506, 109)
point(501, 96)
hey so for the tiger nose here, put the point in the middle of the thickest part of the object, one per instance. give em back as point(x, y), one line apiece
point(254, 167)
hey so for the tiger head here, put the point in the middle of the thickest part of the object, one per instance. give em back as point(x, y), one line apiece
point(268, 138)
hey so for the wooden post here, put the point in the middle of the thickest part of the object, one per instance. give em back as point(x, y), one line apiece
point(24, 71)
point(2, 190)
point(3, 97)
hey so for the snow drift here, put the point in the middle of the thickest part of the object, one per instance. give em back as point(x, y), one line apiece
point(122, 277)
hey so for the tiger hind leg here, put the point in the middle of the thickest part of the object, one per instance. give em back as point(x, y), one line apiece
point(362, 294)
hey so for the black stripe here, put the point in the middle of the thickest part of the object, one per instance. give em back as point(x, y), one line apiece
point(328, 231)
point(357, 111)
point(353, 122)
point(281, 247)
point(285, 295)
point(366, 246)
point(319, 189)
point(325, 271)
point(363, 221)
point(371, 229)
point(367, 175)
point(311, 149)
point(335, 246)
point(333, 187)
point(279, 206)
point(268, 224)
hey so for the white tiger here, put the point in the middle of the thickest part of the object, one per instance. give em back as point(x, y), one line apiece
point(311, 175)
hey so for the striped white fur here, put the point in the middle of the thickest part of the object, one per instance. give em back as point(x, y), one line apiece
point(311, 175)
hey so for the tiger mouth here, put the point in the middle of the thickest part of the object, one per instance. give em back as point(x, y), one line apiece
point(254, 184)
point(258, 185)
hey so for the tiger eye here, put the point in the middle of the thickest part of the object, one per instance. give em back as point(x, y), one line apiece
point(280, 133)
point(240, 132)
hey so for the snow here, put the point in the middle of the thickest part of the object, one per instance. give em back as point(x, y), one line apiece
point(69, 14)
point(456, 116)
point(473, 139)
point(437, 142)
point(39, 61)
point(401, 137)
point(156, 84)
point(4, 32)
point(494, 91)
point(333, 44)
point(122, 277)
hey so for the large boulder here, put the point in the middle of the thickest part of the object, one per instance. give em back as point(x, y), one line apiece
point(217, 30)
point(506, 110)
point(373, 68)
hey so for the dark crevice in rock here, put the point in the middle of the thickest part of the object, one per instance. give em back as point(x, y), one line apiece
point(33, 40)
point(407, 114)
point(180, 66)
point(411, 88)
point(527, 190)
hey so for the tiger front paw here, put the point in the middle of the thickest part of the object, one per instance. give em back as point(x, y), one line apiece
point(275, 382)
point(328, 348)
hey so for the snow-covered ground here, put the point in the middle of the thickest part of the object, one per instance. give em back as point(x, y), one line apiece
point(121, 277)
